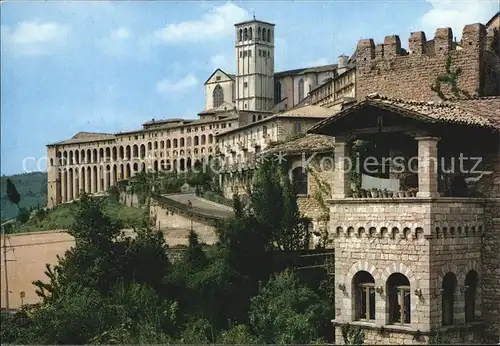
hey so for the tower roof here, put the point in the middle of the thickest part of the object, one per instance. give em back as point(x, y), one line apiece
point(253, 21)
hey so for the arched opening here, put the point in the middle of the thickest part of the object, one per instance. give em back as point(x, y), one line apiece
point(250, 33)
point(398, 291)
point(150, 146)
point(127, 152)
point(108, 154)
point(299, 180)
point(115, 154)
point(88, 179)
point(175, 143)
point(182, 142)
point(122, 154)
point(277, 92)
point(210, 138)
point(135, 150)
point(301, 89)
point(155, 166)
point(264, 35)
point(268, 35)
point(218, 96)
point(196, 140)
point(94, 180)
point(188, 163)
point(471, 282)
point(449, 286)
point(156, 145)
point(241, 35)
point(162, 144)
point(254, 118)
point(89, 156)
point(143, 151)
point(127, 171)
point(189, 142)
point(203, 139)
point(245, 34)
point(70, 157)
point(182, 165)
point(169, 144)
point(77, 157)
point(259, 33)
point(259, 117)
point(364, 296)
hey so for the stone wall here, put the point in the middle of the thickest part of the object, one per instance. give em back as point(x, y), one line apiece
point(177, 225)
point(27, 255)
point(399, 336)
point(389, 70)
point(421, 239)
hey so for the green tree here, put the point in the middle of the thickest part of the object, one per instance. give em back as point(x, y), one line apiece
point(287, 312)
point(12, 193)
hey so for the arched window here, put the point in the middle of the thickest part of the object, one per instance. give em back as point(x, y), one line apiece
point(196, 140)
point(299, 180)
point(259, 33)
point(398, 291)
point(298, 127)
point(250, 33)
point(268, 35)
point(253, 118)
point(241, 35)
point(471, 281)
point(264, 35)
point(301, 89)
point(245, 34)
point(277, 92)
point(447, 302)
point(364, 291)
point(259, 117)
point(218, 96)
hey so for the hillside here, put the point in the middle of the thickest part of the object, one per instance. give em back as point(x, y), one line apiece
point(31, 186)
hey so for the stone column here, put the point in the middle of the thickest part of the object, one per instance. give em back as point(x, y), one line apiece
point(341, 183)
point(64, 191)
point(427, 167)
point(69, 185)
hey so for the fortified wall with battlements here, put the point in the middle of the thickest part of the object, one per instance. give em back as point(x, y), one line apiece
point(388, 69)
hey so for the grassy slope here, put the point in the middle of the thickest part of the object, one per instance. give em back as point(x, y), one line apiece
point(61, 217)
point(33, 190)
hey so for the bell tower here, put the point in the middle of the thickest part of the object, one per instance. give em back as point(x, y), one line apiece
point(254, 65)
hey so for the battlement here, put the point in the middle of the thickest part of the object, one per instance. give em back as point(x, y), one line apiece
point(474, 38)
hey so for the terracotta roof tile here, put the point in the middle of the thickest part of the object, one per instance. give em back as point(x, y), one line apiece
point(479, 112)
point(305, 144)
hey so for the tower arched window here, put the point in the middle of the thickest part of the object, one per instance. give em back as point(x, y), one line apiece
point(241, 35)
point(264, 35)
point(245, 34)
point(268, 35)
point(259, 33)
point(299, 180)
point(364, 291)
point(301, 89)
point(471, 281)
point(398, 291)
point(448, 298)
point(218, 96)
point(250, 33)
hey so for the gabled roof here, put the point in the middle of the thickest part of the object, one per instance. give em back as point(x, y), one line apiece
point(86, 137)
point(230, 76)
point(307, 143)
point(479, 112)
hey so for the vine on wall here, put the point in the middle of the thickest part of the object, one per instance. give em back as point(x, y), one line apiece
point(450, 78)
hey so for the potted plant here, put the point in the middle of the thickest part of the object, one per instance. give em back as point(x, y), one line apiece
point(355, 194)
point(385, 193)
point(362, 193)
point(374, 193)
point(413, 192)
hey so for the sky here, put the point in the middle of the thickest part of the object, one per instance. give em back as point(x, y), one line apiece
point(103, 66)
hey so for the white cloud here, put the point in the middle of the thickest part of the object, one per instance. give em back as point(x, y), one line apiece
point(214, 24)
point(455, 14)
point(166, 85)
point(34, 37)
point(120, 34)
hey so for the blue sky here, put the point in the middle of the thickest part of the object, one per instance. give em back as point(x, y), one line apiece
point(109, 66)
